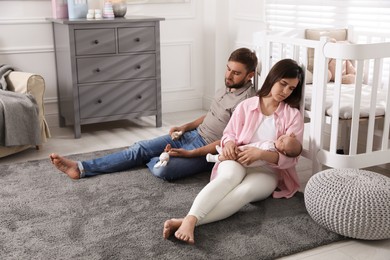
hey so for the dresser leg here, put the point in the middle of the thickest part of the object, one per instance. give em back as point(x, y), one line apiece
point(61, 121)
point(158, 120)
point(77, 131)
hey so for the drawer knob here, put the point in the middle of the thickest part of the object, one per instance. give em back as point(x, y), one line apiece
point(137, 39)
point(96, 42)
point(138, 67)
point(100, 101)
point(139, 97)
point(97, 70)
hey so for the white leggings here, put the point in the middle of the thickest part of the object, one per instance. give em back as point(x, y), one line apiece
point(234, 187)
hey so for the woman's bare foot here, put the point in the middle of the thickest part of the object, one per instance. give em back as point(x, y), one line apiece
point(186, 230)
point(170, 226)
point(65, 165)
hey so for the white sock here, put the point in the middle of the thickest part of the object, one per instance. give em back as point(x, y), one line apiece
point(212, 157)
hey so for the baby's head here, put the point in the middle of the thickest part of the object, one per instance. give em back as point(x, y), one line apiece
point(288, 145)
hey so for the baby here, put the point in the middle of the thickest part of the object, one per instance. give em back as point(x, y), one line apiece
point(285, 144)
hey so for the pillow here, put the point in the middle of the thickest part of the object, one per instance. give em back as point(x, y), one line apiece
point(309, 77)
point(316, 34)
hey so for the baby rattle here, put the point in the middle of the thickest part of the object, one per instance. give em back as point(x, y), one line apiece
point(176, 135)
point(164, 157)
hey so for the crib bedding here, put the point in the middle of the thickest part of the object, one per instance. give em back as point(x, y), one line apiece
point(346, 100)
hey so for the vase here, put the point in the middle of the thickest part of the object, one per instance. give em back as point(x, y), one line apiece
point(119, 7)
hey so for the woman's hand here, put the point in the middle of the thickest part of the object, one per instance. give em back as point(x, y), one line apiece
point(249, 155)
point(230, 151)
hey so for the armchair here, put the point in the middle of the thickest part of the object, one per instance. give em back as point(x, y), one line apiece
point(23, 82)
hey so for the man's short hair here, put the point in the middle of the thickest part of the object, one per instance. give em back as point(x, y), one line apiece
point(246, 57)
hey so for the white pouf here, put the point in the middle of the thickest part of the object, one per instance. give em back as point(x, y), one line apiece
point(351, 202)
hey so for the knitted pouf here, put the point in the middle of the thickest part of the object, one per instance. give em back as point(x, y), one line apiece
point(351, 202)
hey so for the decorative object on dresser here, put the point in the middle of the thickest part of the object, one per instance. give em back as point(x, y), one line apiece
point(119, 7)
point(77, 9)
point(107, 69)
point(59, 8)
point(108, 12)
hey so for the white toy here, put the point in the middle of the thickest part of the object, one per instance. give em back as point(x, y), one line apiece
point(164, 157)
point(176, 135)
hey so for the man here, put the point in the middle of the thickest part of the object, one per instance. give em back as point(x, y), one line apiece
point(199, 137)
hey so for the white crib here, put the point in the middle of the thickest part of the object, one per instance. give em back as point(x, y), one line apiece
point(347, 125)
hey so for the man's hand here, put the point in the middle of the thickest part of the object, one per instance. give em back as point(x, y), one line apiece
point(176, 129)
point(187, 127)
point(180, 152)
point(176, 135)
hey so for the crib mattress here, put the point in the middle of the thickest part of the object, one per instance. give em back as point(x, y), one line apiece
point(347, 99)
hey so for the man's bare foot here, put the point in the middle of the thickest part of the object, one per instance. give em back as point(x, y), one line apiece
point(65, 165)
point(186, 230)
point(170, 226)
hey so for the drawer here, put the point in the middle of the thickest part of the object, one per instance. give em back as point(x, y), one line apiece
point(136, 39)
point(117, 98)
point(95, 41)
point(96, 69)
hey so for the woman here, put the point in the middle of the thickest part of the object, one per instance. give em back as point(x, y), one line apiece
point(270, 114)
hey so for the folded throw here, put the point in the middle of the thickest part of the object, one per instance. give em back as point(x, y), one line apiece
point(19, 123)
point(4, 71)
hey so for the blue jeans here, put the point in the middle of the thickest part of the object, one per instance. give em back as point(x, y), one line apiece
point(148, 152)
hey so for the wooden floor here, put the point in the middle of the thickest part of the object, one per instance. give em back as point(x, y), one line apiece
point(123, 133)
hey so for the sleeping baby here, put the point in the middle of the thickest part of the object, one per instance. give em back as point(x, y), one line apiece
point(285, 144)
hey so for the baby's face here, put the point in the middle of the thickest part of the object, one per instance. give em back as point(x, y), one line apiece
point(283, 143)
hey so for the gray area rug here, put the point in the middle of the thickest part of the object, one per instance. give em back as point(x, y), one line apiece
point(45, 215)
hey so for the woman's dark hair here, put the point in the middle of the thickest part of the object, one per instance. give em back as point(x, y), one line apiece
point(246, 57)
point(285, 69)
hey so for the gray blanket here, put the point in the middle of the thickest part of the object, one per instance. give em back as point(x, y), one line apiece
point(4, 71)
point(19, 124)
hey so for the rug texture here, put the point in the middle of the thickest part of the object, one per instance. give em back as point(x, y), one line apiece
point(46, 215)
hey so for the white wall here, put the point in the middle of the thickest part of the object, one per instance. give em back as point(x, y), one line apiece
point(196, 39)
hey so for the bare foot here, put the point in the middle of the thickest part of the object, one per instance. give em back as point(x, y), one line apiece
point(171, 226)
point(186, 230)
point(65, 165)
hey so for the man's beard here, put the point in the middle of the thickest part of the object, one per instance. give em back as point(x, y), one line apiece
point(237, 85)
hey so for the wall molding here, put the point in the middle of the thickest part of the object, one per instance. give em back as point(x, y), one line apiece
point(249, 18)
point(22, 21)
point(190, 16)
point(190, 45)
point(24, 50)
point(133, 2)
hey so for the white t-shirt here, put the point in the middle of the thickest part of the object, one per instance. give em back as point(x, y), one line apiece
point(266, 130)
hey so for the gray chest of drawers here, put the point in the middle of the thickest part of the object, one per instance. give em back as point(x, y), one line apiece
point(107, 69)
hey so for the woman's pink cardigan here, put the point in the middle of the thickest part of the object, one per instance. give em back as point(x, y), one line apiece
point(242, 126)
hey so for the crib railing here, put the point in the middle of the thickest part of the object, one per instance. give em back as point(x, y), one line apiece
point(358, 150)
point(369, 62)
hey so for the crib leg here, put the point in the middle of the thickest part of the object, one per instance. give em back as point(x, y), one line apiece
point(345, 135)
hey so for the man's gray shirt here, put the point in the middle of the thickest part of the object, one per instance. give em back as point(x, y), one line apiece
point(221, 110)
